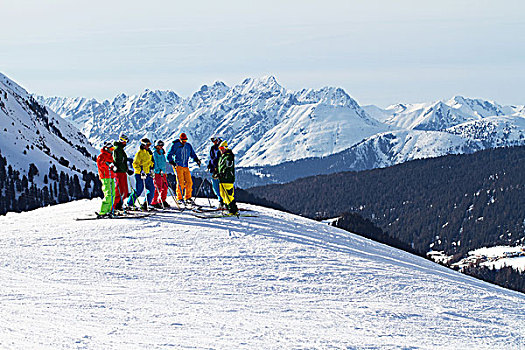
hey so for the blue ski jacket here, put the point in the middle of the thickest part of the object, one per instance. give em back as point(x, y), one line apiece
point(180, 153)
point(160, 161)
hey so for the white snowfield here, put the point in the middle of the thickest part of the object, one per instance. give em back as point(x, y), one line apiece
point(276, 281)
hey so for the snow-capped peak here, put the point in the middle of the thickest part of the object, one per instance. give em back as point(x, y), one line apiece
point(327, 95)
point(207, 94)
point(263, 84)
point(12, 86)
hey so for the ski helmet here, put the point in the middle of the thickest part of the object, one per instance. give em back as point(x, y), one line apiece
point(123, 138)
point(223, 144)
point(108, 146)
point(183, 137)
point(216, 137)
point(159, 143)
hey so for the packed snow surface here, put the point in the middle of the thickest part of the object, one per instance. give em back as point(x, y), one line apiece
point(273, 281)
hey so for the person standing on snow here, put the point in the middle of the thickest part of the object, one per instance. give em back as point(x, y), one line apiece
point(106, 173)
point(161, 182)
point(226, 173)
point(178, 155)
point(213, 166)
point(122, 172)
point(143, 166)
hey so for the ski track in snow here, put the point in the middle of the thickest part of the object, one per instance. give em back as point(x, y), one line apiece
point(273, 281)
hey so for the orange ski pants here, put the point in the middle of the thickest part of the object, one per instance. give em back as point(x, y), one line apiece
point(184, 182)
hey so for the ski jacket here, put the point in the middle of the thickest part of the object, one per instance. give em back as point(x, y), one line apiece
point(121, 158)
point(227, 167)
point(103, 160)
point(143, 161)
point(215, 154)
point(159, 158)
point(180, 153)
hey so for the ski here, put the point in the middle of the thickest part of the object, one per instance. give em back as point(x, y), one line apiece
point(216, 216)
point(206, 209)
point(121, 216)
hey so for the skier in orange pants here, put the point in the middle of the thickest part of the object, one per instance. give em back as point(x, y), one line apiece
point(178, 156)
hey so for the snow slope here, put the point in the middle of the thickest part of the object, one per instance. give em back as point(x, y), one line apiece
point(267, 282)
point(31, 133)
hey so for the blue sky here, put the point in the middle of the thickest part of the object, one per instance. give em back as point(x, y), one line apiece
point(379, 51)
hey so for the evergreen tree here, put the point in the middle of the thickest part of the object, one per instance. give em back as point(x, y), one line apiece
point(33, 171)
point(63, 196)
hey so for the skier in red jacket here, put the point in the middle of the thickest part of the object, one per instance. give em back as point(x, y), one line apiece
point(106, 173)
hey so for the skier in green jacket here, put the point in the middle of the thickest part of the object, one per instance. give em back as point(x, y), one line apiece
point(121, 175)
point(226, 172)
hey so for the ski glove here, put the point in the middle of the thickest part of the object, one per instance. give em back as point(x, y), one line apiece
point(111, 167)
point(130, 172)
point(142, 175)
point(173, 164)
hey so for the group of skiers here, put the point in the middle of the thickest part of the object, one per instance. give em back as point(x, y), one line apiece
point(149, 171)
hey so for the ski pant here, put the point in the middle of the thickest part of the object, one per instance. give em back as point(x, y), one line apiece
point(227, 194)
point(108, 187)
point(216, 188)
point(121, 188)
point(161, 190)
point(139, 187)
point(184, 183)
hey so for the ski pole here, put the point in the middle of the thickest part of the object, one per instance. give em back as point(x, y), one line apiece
point(199, 190)
point(209, 201)
point(133, 193)
point(145, 191)
point(178, 180)
point(172, 194)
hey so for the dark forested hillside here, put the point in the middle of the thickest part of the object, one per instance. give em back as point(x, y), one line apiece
point(19, 192)
point(454, 203)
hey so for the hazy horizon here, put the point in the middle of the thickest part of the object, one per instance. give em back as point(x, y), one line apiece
point(379, 52)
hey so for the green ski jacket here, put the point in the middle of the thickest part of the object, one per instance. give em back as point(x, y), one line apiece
point(227, 167)
point(120, 158)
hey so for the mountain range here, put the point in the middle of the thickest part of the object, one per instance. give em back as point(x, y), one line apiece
point(268, 125)
point(264, 122)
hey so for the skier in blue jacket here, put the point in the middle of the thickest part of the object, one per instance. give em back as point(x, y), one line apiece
point(178, 156)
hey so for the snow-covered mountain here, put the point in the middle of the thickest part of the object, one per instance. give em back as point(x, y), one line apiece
point(32, 133)
point(268, 125)
point(438, 115)
point(273, 281)
point(395, 147)
point(264, 122)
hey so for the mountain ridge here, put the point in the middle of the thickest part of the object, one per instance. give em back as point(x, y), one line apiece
point(268, 125)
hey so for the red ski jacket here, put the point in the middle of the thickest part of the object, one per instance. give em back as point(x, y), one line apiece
point(103, 159)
